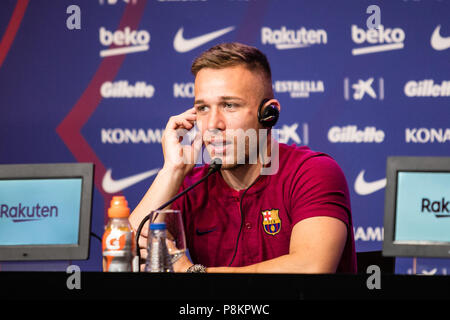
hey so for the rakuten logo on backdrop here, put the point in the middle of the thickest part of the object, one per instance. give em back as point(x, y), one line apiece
point(134, 136)
point(427, 135)
point(427, 88)
point(284, 38)
point(126, 41)
point(351, 134)
point(122, 89)
point(299, 89)
point(377, 40)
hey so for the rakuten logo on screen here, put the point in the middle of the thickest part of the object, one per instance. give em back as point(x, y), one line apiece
point(24, 213)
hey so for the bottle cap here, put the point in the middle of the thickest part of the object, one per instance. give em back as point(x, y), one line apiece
point(118, 208)
point(158, 226)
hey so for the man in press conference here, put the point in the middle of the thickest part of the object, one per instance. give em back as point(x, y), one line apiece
point(294, 218)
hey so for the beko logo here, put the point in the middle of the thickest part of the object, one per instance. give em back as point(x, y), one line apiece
point(122, 89)
point(135, 136)
point(293, 39)
point(126, 41)
point(427, 135)
point(299, 89)
point(351, 134)
point(378, 40)
point(427, 88)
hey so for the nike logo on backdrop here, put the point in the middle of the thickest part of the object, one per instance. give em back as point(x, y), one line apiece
point(110, 185)
point(364, 188)
point(184, 45)
point(438, 42)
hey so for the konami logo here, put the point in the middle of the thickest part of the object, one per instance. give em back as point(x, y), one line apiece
point(351, 134)
point(378, 40)
point(123, 42)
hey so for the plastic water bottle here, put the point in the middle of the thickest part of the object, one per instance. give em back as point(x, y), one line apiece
point(118, 242)
point(158, 258)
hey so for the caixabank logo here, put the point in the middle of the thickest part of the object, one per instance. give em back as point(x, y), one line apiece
point(299, 88)
point(427, 88)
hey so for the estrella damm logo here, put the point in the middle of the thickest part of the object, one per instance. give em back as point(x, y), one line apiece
point(271, 221)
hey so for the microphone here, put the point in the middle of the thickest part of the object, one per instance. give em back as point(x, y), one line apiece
point(214, 166)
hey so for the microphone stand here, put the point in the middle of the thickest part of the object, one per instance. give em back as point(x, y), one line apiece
point(214, 166)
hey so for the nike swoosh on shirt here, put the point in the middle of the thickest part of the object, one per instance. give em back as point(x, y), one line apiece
point(110, 185)
point(184, 45)
point(438, 42)
point(363, 188)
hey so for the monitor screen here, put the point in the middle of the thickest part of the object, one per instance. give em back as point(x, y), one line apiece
point(417, 211)
point(45, 211)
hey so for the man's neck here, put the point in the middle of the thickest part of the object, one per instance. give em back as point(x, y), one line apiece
point(241, 177)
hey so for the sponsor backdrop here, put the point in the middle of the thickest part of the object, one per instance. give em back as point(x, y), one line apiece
point(96, 81)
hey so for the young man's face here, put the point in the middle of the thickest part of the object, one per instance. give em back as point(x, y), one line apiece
point(226, 102)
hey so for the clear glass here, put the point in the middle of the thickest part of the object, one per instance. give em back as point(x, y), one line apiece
point(176, 240)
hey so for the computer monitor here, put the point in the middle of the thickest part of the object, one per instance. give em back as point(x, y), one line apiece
point(417, 207)
point(45, 211)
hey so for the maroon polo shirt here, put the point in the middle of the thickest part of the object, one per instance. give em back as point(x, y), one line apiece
point(307, 184)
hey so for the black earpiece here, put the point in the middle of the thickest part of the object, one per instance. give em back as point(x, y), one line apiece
point(268, 114)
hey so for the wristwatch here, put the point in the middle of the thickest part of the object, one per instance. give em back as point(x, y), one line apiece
point(196, 268)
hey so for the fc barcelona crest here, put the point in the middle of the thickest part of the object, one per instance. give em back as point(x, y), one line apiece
point(271, 221)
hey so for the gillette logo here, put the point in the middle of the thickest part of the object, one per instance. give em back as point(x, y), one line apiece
point(21, 213)
point(351, 134)
point(123, 42)
point(378, 40)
